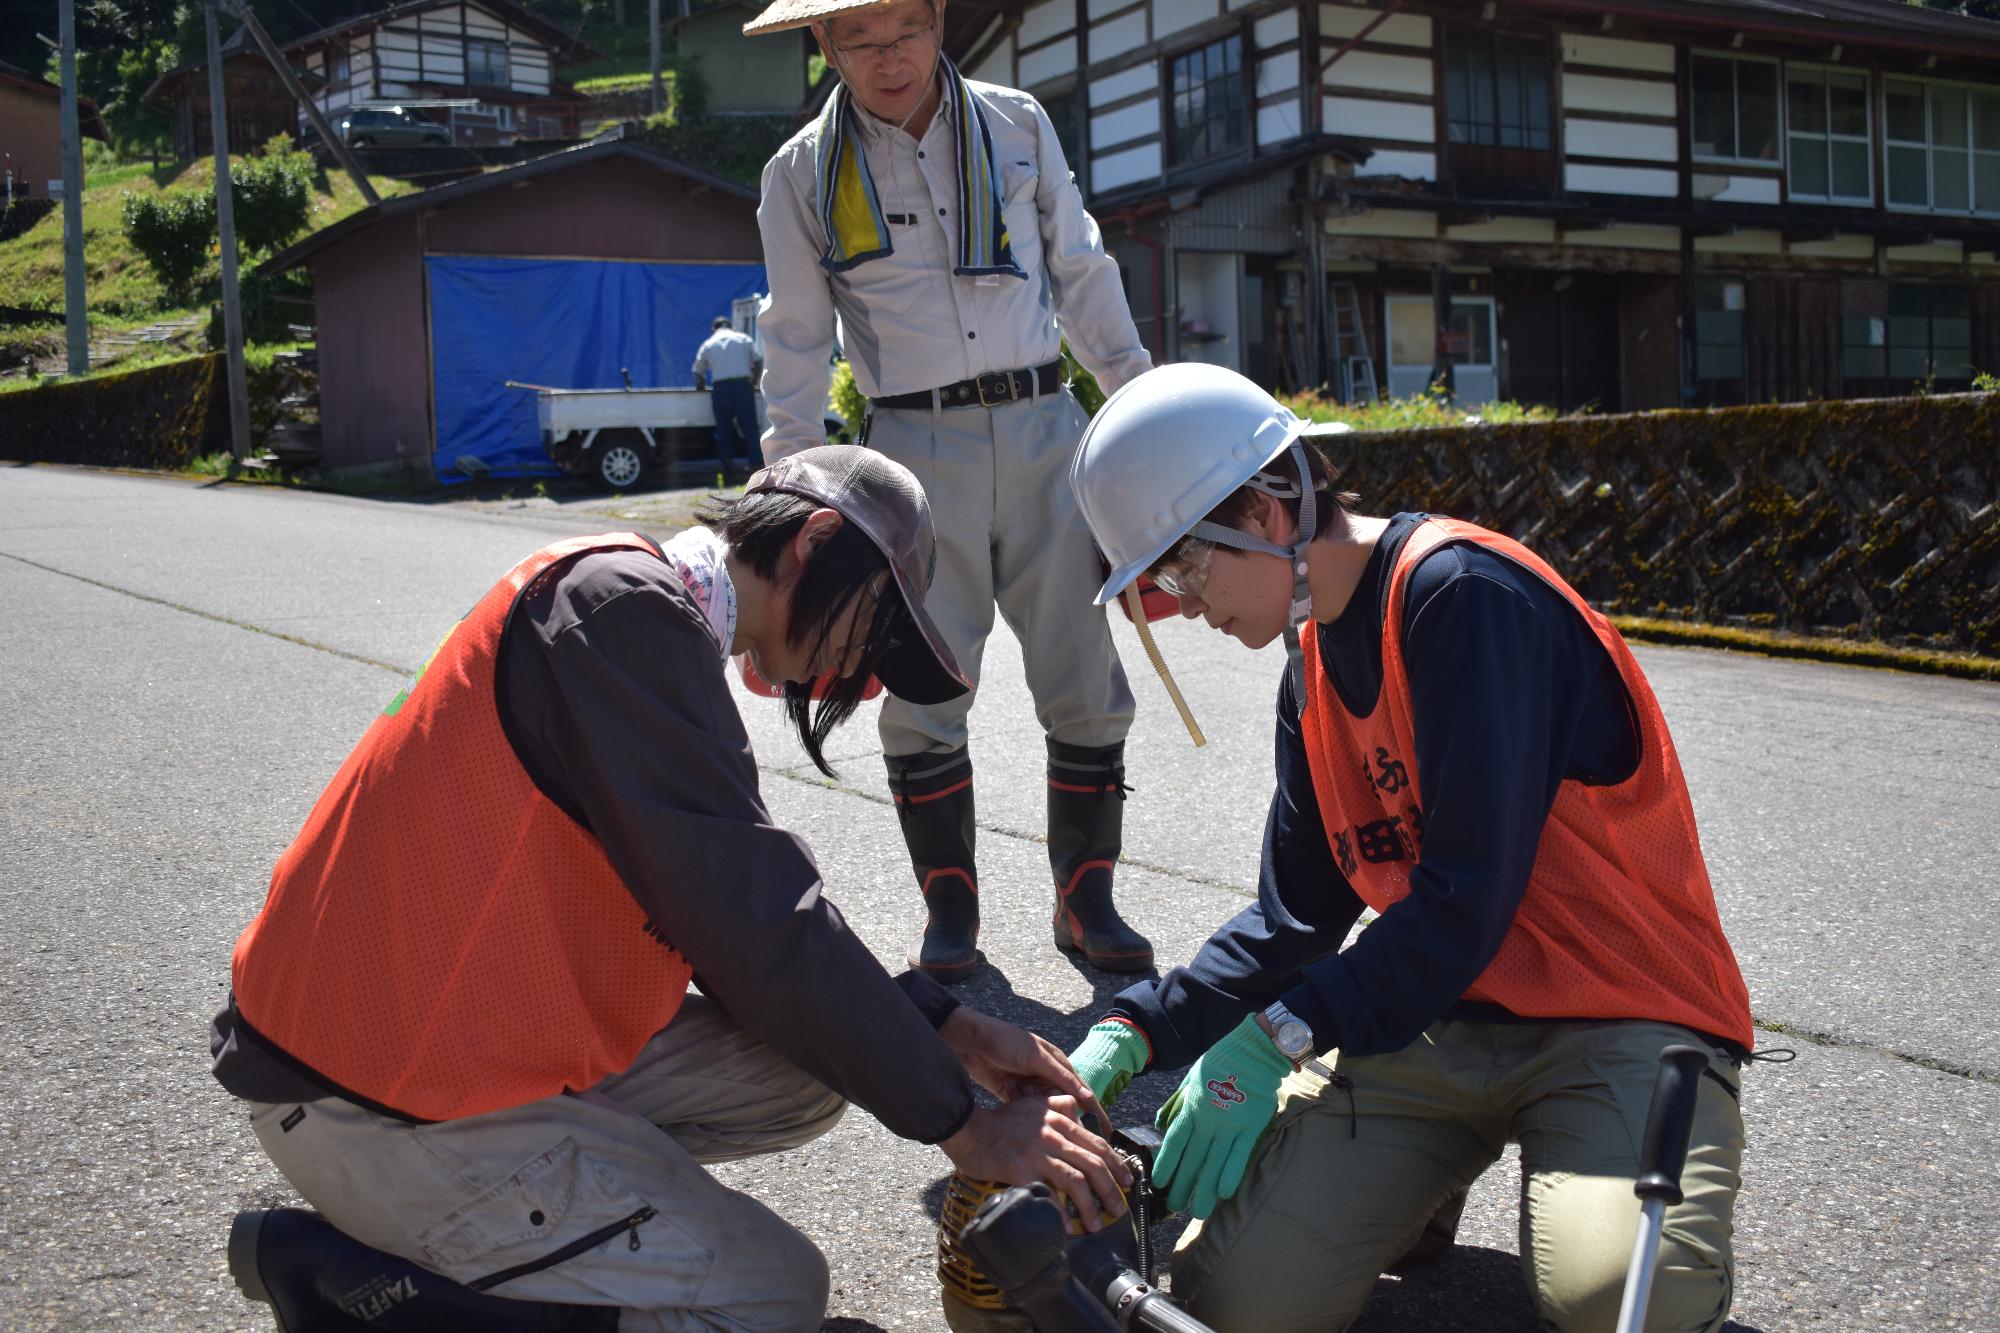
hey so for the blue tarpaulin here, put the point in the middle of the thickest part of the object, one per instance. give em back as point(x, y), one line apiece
point(568, 323)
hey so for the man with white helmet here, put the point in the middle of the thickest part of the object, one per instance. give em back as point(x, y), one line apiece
point(935, 219)
point(1468, 749)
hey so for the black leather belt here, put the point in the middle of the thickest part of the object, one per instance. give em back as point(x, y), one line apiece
point(1002, 386)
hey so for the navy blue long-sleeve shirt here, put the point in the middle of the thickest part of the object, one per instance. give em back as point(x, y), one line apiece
point(1510, 694)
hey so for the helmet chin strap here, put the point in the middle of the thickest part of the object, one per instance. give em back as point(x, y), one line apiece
point(1281, 488)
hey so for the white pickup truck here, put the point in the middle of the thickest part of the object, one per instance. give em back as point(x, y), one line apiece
point(618, 435)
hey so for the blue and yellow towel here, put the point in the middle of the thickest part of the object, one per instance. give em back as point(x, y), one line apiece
point(852, 214)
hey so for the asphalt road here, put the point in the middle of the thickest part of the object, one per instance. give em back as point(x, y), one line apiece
point(183, 666)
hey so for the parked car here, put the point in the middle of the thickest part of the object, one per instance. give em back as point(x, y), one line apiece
point(365, 128)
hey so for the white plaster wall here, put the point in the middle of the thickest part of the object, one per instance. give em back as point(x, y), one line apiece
point(998, 67)
point(1134, 164)
point(1840, 247)
point(1045, 20)
point(1343, 21)
point(1118, 36)
point(1170, 16)
point(1598, 92)
point(1612, 138)
point(1735, 189)
point(1278, 122)
point(1275, 28)
point(1277, 74)
point(1125, 83)
point(1618, 53)
point(1375, 72)
point(1592, 179)
point(1047, 63)
point(1364, 118)
point(1132, 122)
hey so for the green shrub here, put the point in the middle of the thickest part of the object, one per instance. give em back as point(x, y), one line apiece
point(172, 232)
point(271, 304)
point(845, 399)
point(175, 232)
point(1081, 382)
point(1426, 410)
point(272, 193)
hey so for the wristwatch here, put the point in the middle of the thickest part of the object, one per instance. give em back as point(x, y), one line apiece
point(1288, 1032)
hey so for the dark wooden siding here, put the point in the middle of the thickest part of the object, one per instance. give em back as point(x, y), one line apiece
point(616, 208)
point(374, 380)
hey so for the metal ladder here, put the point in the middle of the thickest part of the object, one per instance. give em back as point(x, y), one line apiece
point(1350, 347)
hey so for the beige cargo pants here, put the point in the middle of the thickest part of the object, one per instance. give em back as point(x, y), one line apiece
point(1008, 533)
point(1344, 1182)
point(512, 1189)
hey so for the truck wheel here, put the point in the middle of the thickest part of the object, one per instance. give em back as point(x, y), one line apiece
point(620, 463)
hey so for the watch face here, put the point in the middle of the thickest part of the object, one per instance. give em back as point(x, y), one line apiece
point(1294, 1038)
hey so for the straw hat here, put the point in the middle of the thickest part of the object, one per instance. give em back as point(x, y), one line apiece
point(783, 15)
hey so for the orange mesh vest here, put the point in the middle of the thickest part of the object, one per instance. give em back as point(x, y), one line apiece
point(441, 938)
point(1618, 920)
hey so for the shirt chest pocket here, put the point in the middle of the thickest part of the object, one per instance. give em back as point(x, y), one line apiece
point(1019, 182)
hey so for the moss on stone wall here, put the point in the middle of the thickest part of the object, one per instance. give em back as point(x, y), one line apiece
point(162, 416)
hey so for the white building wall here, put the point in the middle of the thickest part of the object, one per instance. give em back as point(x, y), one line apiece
point(1134, 164)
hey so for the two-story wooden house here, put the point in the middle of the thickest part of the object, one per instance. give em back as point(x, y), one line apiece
point(484, 68)
point(1629, 204)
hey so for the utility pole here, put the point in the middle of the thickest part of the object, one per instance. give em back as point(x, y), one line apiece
point(335, 145)
point(653, 18)
point(225, 221)
point(76, 316)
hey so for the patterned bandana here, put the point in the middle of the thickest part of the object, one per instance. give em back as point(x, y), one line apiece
point(852, 214)
point(697, 556)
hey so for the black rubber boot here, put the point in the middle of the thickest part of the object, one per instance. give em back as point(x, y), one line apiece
point(933, 795)
point(1086, 826)
point(317, 1279)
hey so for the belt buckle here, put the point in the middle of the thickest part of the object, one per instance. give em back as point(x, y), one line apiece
point(1004, 378)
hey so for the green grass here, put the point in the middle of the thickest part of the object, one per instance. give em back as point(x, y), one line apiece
point(1413, 413)
point(627, 51)
point(603, 84)
point(119, 287)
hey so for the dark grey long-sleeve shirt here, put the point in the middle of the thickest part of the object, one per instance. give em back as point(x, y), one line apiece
point(611, 689)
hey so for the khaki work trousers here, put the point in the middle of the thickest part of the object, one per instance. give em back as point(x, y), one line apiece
point(474, 1197)
point(1008, 532)
point(1344, 1183)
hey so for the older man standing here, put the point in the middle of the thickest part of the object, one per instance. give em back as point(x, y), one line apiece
point(937, 220)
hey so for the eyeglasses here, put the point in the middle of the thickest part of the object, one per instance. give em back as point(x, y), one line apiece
point(1185, 572)
point(878, 53)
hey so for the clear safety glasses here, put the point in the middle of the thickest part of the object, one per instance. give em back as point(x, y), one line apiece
point(1185, 572)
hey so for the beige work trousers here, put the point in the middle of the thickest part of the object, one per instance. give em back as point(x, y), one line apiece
point(474, 1197)
point(1009, 533)
point(1342, 1185)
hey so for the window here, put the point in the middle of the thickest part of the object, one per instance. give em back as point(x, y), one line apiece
point(503, 116)
point(1497, 92)
point(1930, 333)
point(340, 69)
point(1718, 341)
point(1942, 146)
point(485, 63)
point(1735, 109)
point(1207, 91)
point(1826, 123)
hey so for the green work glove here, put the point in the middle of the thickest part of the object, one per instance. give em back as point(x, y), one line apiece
point(1213, 1120)
point(1111, 1054)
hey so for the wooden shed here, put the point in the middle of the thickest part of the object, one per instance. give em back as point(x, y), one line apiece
point(568, 270)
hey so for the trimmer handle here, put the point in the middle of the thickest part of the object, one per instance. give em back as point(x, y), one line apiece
point(1669, 1122)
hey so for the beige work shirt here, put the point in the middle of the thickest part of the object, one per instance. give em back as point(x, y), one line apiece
point(905, 322)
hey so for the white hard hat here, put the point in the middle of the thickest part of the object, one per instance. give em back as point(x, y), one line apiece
point(1169, 447)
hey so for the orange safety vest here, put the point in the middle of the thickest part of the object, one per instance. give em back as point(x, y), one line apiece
point(442, 939)
point(1618, 920)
